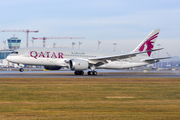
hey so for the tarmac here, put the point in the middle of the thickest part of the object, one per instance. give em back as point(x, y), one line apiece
point(29, 73)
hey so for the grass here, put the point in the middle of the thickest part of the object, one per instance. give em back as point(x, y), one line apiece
point(101, 98)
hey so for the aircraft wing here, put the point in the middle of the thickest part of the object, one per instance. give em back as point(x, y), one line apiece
point(155, 59)
point(103, 60)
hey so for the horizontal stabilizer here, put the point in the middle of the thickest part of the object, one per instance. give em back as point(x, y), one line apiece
point(155, 59)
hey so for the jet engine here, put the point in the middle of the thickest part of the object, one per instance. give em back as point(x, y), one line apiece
point(52, 67)
point(78, 64)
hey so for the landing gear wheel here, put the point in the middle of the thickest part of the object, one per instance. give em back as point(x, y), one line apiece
point(21, 69)
point(94, 73)
point(90, 72)
point(76, 72)
point(79, 73)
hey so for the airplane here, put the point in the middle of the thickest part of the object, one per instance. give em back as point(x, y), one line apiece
point(79, 60)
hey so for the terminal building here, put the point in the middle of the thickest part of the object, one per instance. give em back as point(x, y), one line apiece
point(4, 53)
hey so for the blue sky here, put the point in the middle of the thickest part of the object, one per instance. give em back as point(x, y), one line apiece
point(125, 22)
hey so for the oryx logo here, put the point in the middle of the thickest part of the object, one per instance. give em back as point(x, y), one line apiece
point(149, 44)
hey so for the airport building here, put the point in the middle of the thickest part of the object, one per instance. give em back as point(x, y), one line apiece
point(13, 43)
point(4, 53)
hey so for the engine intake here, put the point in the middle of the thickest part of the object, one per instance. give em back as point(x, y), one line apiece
point(78, 64)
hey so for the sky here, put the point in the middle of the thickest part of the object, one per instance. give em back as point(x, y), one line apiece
point(125, 22)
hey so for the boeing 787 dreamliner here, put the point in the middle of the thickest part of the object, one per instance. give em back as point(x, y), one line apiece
point(80, 60)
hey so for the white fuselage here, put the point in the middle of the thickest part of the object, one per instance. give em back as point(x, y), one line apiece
point(60, 57)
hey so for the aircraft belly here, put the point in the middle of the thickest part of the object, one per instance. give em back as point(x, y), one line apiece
point(38, 61)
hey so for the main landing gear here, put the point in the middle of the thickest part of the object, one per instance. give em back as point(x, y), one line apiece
point(82, 73)
point(92, 72)
point(79, 73)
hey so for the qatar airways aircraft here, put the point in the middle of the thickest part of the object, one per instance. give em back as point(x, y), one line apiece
point(80, 60)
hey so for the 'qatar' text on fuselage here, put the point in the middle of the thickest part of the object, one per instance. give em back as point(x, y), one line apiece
point(35, 54)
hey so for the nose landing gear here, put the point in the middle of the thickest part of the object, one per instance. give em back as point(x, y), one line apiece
point(21, 69)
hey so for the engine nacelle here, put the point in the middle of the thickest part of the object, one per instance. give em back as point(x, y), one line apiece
point(52, 67)
point(78, 64)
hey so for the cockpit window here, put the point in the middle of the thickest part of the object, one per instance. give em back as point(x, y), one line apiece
point(14, 52)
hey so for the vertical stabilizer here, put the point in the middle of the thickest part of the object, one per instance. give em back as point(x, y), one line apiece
point(148, 43)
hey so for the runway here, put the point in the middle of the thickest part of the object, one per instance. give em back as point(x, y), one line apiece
point(101, 74)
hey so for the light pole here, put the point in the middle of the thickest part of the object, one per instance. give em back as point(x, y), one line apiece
point(158, 53)
point(99, 42)
point(73, 43)
point(114, 46)
point(168, 55)
point(168, 61)
point(54, 44)
point(4, 48)
point(154, 56)
point(32, 42)
point(179, 52)
point(80, 44)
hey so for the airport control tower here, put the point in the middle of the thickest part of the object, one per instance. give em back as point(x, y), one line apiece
point(14, 43)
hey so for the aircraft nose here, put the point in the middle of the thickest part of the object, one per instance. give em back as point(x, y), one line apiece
point(13, 59)
point(8, 58)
